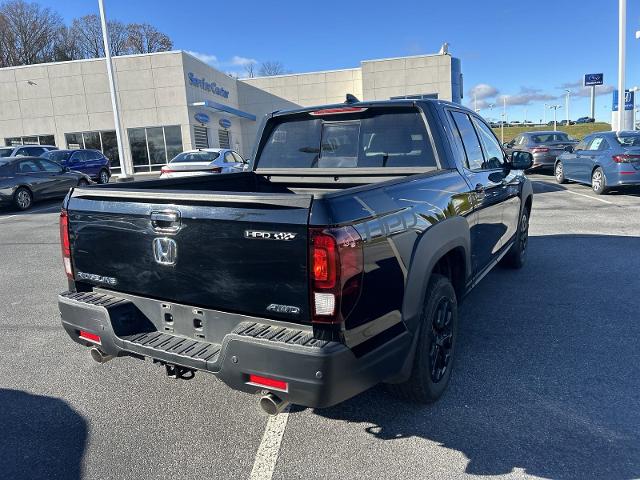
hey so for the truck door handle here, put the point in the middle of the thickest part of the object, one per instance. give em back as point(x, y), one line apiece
point(166, 221)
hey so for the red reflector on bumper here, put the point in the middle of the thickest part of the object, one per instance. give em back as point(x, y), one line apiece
point(92, 337)
point(269, 383)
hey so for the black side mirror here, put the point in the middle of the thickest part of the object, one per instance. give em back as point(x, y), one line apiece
point(568, 148)
point(521, 160)
point(507, 145)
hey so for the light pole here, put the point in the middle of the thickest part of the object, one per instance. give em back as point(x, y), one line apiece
point(635, 109)
point(125, 173)
point(622, 30)
point(544, 114)
point(555, 118)
point(491, 105)
point(567, 105)
point(504, 118)
point(525, 115)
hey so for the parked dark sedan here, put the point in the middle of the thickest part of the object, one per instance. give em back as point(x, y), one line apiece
point(91, 162)
point(24, 180)
point(545, 146)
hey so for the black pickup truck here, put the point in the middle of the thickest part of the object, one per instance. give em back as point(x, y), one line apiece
point(336, 263)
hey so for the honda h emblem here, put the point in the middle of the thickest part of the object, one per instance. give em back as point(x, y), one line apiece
point(165, 251)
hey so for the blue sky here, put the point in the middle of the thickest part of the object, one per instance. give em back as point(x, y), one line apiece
point(528, 51)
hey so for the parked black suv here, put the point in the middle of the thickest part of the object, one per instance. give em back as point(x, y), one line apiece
point(338, 262)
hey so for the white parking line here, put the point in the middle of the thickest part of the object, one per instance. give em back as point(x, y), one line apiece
point(40, 210)
point(269, 449)
point(560, 189)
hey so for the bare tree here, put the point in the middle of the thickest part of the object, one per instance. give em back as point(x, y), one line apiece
point(271, 68)
point(27, 33)
point(87, 32)
point(250, 69)
point(145, 38)
point(65, 46)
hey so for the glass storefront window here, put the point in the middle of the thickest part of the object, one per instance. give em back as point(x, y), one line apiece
point(92, 140)
point(173, 140)
point(30, 140)
point(74, 140)
point(110, 148)
point(155, 141)
point(138, 145)
point(103, 141)
point(152, 147)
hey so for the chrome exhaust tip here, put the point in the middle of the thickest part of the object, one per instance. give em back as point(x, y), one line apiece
point(99, 356)
point(272, 405)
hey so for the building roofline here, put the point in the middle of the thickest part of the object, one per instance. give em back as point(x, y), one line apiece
point(408, 56)
point(46, 64)
point(302, 73)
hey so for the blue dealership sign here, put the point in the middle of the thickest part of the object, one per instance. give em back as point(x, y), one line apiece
point(591, 79)
point(225, 123)
point(628, 100)
point(201, 117)
point(207, 86)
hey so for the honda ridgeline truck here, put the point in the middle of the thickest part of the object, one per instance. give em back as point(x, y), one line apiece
point(336, 263)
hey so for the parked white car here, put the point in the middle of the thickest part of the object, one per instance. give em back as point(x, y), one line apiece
point(204, 161)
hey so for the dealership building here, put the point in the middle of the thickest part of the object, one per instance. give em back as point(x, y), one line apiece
point(171, 101)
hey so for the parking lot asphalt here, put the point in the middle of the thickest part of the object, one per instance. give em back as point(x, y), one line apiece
point(547, 380)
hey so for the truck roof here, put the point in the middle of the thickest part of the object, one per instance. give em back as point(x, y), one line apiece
point(371, 103)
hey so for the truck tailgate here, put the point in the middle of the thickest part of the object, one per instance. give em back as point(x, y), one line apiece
point(236, 252)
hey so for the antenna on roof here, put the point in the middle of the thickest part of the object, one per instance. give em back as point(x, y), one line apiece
point(351, 98)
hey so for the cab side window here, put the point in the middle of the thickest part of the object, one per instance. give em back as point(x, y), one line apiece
point(494, 157)
point(228, 158)
point(468, 138)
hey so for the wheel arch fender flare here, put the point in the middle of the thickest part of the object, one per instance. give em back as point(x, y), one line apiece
point(438, 240)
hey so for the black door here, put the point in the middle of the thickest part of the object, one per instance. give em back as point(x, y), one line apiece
point(486, 176)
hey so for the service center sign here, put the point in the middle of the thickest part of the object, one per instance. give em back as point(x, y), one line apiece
point(207, 86)
point(591, 79)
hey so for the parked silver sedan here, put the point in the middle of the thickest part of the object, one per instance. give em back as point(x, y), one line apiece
point(204, 161)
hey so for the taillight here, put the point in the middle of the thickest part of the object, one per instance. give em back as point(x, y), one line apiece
point(337, 111)
point(267, 382)
point(626, 158)
point(65, 243)
point(335, 273)
point(216, 169)
point(539, 150)
point(92, 337)
point(165, 170)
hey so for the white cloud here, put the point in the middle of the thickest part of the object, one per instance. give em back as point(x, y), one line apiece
point(205, 57)
point(242, 61)
point(483, 91)
point(526, 96)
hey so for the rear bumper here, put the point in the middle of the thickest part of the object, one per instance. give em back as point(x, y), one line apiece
point(318, 373)
point(544, 160)
point(630, 177)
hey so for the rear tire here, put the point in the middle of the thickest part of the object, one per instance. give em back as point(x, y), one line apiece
point(434, 356)
point(598, 182)
point(103, 177)
point(517, 255)
point(559, 173)
point(23, 198)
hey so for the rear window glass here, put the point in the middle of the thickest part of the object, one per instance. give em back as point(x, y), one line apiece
point(57, 156)
point(630, 140)
point(376, 138)
point(195, 157)
point(5, 152)
point(550, 137)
